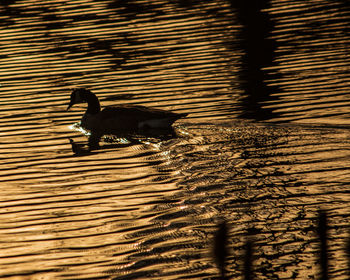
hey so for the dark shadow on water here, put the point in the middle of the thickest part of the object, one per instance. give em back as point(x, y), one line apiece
point(258, 54)
point(129, 138)
point(347, 250)
point(323, 251)
point(221, 249)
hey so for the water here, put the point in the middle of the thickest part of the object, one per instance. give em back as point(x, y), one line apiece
point(262, 149)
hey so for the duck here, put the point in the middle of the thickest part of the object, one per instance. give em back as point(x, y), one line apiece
point(119, 118)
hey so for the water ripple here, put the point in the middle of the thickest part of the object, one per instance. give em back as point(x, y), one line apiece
point(147, 206)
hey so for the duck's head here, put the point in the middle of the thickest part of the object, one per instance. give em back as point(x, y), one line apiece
point(78, 95)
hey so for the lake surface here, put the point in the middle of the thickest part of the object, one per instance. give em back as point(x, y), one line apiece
point(265, 146)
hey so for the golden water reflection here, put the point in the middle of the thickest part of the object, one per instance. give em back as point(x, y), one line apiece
point(148, 206)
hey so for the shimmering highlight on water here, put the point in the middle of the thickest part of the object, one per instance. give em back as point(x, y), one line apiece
point(265, 145)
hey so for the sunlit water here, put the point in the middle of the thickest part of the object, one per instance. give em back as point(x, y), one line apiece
point(262, 154)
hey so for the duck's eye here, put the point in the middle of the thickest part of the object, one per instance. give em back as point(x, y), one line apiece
point(77, 98)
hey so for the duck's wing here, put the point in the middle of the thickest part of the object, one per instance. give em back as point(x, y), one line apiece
point(138, 113)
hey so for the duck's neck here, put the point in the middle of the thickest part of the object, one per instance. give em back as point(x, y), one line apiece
point(93, 104)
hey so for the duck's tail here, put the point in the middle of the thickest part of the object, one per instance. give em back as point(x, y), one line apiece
point(182, 115)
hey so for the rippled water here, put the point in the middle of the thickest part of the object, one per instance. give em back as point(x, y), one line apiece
point(266, 144)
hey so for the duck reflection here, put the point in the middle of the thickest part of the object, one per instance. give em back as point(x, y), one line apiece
point(124, 139)
point(79, 149)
